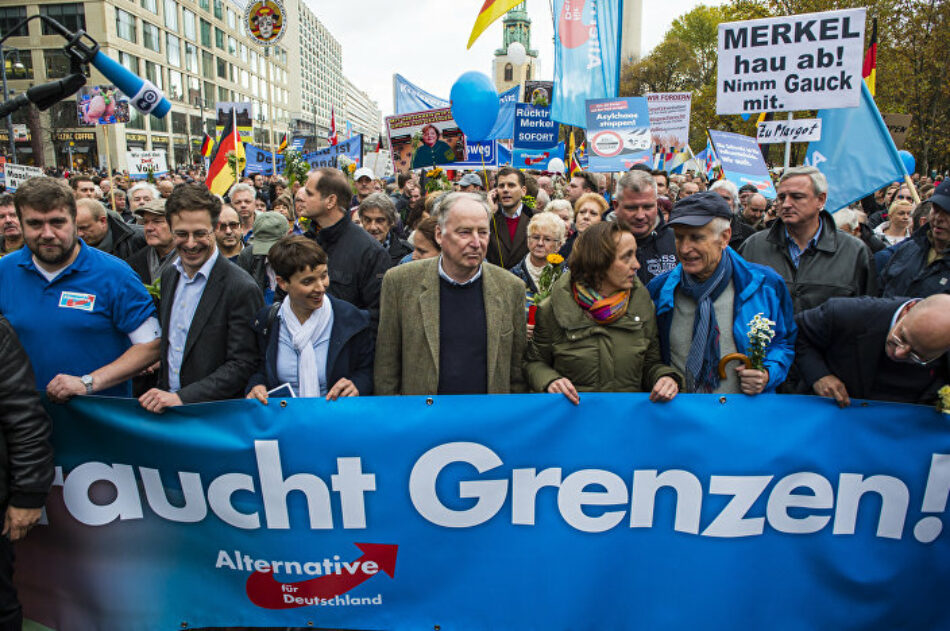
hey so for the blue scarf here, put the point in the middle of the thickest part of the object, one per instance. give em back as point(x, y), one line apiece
point(702, 363)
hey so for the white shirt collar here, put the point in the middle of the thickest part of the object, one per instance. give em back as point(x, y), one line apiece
point(452, 281)
point(516, 214)
point(205, 269)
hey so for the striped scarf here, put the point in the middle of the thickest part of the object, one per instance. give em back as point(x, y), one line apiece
point(601, 310)
point(702, 362)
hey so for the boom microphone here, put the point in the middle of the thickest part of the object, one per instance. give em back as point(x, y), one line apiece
point(45, 95)
point(143, 94)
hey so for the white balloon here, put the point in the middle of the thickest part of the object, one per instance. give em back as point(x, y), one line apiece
point(556, 165)
point(516, 53)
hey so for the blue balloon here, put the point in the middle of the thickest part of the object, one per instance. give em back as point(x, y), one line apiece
point(908, 159)
point(474, 105)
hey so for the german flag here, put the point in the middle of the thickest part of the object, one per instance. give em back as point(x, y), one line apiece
point(283, 144)
point(491, 11)
point(207, 146)
point(220, 176)
point(869, 72)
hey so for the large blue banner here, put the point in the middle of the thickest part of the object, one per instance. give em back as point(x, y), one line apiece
point(586, 56)
point(505, 122)
point(408, 97)
point(259, 160)
point(742, 162)
point(494, 512)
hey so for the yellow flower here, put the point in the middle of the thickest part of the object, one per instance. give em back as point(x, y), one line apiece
point(943, 400)
point(555, 259)
point(351, 168)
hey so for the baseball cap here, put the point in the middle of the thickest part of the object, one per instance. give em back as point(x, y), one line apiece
point(470, 179)
point(699, 209)
point(364, 172)
point(941, 196)
point(269, 228)
point(156, 206)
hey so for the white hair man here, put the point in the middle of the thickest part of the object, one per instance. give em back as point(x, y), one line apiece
point(452, 324)
point(705, 304)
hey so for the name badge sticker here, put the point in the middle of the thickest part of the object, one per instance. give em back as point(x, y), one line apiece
point(76, 300)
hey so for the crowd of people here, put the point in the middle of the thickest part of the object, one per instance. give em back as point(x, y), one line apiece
point(497, 282)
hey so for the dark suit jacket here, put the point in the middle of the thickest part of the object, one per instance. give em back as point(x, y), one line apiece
point(845, 337)
point(221, 349)
point(502, 251)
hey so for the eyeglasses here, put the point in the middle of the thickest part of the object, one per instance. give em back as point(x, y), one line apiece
point(198, 235)
point(535, 238)
point(229, 225)
point(900, 345)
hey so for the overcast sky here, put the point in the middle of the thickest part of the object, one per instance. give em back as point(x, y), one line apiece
point(424, 40)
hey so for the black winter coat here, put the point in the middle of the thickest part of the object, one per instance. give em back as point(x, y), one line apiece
point(907, 272)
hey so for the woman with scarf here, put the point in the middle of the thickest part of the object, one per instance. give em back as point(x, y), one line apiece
point(320, 347)
point(596, 332)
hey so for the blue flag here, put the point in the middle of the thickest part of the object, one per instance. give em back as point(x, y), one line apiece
point(408, 97)
point(586, 56)
point(856, 152)
point(505, 123)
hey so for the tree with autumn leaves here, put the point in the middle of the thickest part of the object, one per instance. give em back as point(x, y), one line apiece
point(912, 58)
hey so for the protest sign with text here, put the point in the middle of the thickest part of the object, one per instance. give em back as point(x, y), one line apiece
point(242, 115)
point(259, 160)
point(16, 174)
point(795, 62)
point(618, 133)
point(898, 125)
point(143, 163)
point(479, 154)
point(477, 512)
point(425, 139)
point(801, 130)
point(741, 161)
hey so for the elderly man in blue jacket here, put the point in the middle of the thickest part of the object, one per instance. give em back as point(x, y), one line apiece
point(705, 304)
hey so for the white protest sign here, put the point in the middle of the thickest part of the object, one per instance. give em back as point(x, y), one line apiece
point(16, 174)
point(669, 119)
point(796, 62)
point(802, 130)
point(142, 162)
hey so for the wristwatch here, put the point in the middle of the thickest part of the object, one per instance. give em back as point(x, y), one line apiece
point(87, 381)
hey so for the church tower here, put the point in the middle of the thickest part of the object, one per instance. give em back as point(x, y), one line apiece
point(516, 28)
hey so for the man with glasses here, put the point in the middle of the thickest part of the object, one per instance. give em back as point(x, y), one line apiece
point(919, 266)
point(888, 349)
point(229, 234)
point(208, 349)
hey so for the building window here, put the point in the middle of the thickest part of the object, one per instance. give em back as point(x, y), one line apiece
point(243, 53)
point(171, 14)
point(203, 4)
point(527, 76)
point(232, 46)
point(136, 119)
point(207, 64)
point(130, 62)
point(222, 68)
point(232, 20)
point(56, 62)
point(151, 36)
point(223, 94)
point(9, 17)
point(205, 33)
point(188, 19)
point(509, 72)
point(25, 60)
point(179, 123)
point(173, 49)
point(153, 72)
point(158, 124)
point(219, 38)
point(150, 5)
point(191, 58)
point(125, 25)
point(219, 9)
point(209, 93)
point(72, 16)
point(176, 89)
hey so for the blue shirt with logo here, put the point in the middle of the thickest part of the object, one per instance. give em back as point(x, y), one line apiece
point(78, 322)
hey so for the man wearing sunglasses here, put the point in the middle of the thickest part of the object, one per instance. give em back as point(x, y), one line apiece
point(887, 349)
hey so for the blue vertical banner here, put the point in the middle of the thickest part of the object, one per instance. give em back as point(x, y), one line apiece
point(618, 133)
point(856, 152)
point(479, 513)
point(741, 161)
point(586, 56)
point(535, 141)
point(505, 123)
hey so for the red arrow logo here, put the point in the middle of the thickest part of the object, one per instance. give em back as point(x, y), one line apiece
point(264, 591)
point(571, 29)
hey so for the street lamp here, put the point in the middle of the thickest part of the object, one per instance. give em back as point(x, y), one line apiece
point(17, 65)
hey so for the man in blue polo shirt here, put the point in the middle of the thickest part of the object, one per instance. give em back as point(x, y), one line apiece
point(84, 317)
